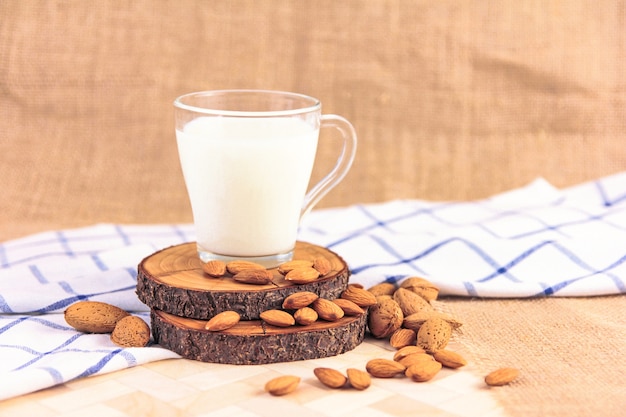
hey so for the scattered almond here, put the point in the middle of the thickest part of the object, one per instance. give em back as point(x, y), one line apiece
point(305, 316)
point(131, 331)
point(501, 376)
point(327, 310)
point(358, 379)
point(94, 316)
point(222, 321)
point(322, 265)
point(415, 358)
point(302, 275)
point(349, 307)
point(278, 318)
point(299, 299)
point(403, 337)
point(423, 371)
point(359, 296)
point(384, 368)
point(406, 351)
point(434, 335)
point(214, 268)
point(235, 267)
point(254, 276)
point(410, 302)
point(449, 359)
point(330, 377)
point(415, 320)
point(282, 385)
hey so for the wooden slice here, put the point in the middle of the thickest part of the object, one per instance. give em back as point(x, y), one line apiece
point(172, 281)
point(254, 342)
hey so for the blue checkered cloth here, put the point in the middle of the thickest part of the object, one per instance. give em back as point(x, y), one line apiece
point(530, 242)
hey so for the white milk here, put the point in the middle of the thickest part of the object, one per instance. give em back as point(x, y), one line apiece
point(246, 179)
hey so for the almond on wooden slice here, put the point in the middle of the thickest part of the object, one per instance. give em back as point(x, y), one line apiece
point(501, 376)
point(327, 310)
point(330, 377)
point(294, 264)
point(214, 268)
point(449, 359)
point(222, 321)
point(235, 267)
point(302, 275)
point(305, 316)
point(384, 368)
point(299, 299)
point(278, 318)
point(322, 265)
point(254, 276)
point(359, 296)
point(349, 308)
point(282, 385)
point(131, 331)
point(358, 379)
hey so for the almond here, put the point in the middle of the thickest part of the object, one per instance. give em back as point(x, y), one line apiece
point(299, 299)
point(384, 368)
point(358, 379)
point(384, 288)
point(403, 337)
point(235, 267)
point(296, 263)
point(222, 321)
point(449, 359)
point(94, 316)
point(384, 318)
point(131, 331)
point(305, 316)
point(415, 358)
point(501, 376)
point(410, 302)
point(330, 377)
point(282, 385)
point(214, 268)
point(422, 287)
point(406, 351)
point(434, 335)
point(278, 318)
point(327, 310)
point(423, 371)
point(359, 296)
point(302, 275)
point(415, 320)
point(254, 276)
point(322, 265)
point(349, 308)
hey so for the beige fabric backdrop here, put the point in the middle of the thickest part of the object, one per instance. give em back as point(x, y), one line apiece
point(451, 100)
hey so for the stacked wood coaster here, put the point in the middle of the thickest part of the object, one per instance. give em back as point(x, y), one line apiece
point(182, 299)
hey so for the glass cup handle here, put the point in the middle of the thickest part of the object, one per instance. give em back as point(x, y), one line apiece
point(341, 168)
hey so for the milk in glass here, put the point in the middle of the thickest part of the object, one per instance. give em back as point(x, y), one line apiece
point(246, 179)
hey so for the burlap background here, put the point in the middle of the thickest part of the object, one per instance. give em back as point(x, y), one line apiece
point(451, 100)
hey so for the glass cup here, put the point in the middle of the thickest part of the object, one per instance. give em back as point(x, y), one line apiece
point(247, 158)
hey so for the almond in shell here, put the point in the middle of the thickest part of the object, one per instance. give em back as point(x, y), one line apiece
point(222, 321)
point(415, 320)
point(434, 335)
point(384, 318)
point(422, 287)
point(282, 385)
point(410, 302)
point(278, 318)
point(94, 316)
point(384, 288)
point(131, 331)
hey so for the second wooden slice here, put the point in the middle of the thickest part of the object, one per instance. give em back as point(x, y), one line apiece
point(172, 281)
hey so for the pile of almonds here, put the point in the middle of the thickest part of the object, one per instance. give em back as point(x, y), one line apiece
point(405, 317)
point(98, 317)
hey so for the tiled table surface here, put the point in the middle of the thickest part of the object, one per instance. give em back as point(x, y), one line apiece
point(181, 387)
